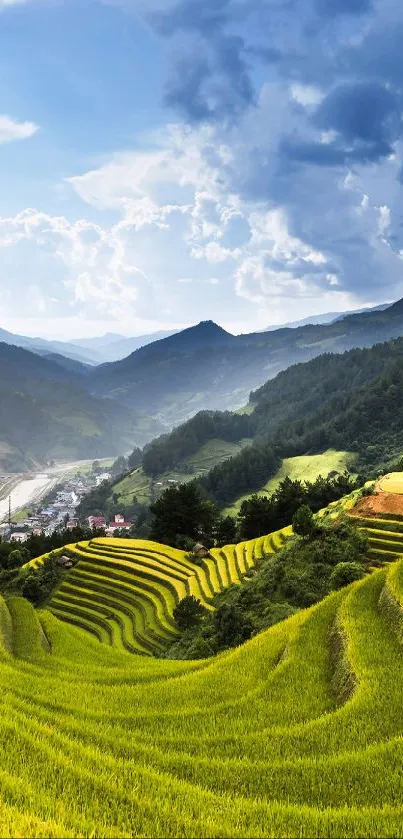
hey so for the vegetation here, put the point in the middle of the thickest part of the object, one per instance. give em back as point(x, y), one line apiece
point(302, 468)
point(189, 612)
point(168, 451)
point(334, 402)
point(48, 413)
point(259, 515)
point(261, 741)
point(182, 517)
point(302, 573)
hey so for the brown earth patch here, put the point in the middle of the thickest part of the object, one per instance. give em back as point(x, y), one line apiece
point(378, 504)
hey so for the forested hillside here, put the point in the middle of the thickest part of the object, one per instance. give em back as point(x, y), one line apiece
point(45, 413)
point(204, 367)
point(352, 401)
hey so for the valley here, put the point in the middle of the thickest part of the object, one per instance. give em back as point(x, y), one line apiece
point(325, 681)
point(262, 577)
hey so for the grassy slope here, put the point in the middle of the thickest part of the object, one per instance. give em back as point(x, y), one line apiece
point(304, 468)
point(286, 736)
point(124, 591)
point(209, 455)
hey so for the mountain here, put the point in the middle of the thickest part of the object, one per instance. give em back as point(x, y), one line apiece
point(351, 402)
point(205, 367)
point(77, 367)
point(43, 347)
point(109, 347)
point(112, 347)
point(46, 413)
point(174, 377)
point(328, 317)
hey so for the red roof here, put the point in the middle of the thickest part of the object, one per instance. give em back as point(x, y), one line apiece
point(119, 524)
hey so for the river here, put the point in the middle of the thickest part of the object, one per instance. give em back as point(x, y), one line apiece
point(27, 490)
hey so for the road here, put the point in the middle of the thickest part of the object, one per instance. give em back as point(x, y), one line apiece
point(25, 489)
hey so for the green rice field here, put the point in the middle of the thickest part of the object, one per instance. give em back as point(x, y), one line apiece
point(297, 733)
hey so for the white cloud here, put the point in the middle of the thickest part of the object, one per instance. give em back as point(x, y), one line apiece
point(5, 3)
point(306, 94)
point(76, 264)
point(11, 129)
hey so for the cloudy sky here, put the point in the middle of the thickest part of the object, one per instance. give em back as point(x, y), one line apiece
point(164, 162)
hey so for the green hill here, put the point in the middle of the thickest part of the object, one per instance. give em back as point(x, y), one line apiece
point(296, 733)
point(205, 367)
point(351, 402)
point(302, 468)
point(46, 413)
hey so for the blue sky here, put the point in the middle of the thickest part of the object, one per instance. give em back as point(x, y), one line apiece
point(165, 161)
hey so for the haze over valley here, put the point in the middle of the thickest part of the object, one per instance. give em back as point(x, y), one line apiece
point(201, 419)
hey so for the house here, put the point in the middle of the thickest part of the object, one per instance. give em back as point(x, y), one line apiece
point(200, 551)
point(118, 525)
point(18, 537)
point(65, 561)
point(71, 524)
point(96, 522)
point(106, 476)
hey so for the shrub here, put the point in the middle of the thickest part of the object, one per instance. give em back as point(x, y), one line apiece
point(188, 612)
point(302, 521)
point(345, 573)
point(15, 559)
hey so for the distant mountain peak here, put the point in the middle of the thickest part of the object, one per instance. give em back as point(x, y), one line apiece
point(205, 333)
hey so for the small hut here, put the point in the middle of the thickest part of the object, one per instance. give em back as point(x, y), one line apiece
point(65, 561)
point(200, 551)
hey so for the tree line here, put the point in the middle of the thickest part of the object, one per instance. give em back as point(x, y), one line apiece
point(184, 515)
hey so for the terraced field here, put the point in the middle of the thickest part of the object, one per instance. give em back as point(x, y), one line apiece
point(124, 591)
point(296, 733)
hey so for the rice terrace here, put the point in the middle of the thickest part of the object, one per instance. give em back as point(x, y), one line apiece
point(298, 732)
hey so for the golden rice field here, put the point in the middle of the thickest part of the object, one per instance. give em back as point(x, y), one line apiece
point(297, 733)
point(124, 591)
point(393, 482)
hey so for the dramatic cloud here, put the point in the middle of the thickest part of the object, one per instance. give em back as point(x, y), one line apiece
point(11, 130)
point(272, 189)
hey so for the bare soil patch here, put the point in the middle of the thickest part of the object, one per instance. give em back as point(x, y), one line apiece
point(378, 504)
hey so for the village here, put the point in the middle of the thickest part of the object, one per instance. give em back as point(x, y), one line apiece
point(58, 511)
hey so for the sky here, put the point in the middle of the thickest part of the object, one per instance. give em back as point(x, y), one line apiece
point(164, 162)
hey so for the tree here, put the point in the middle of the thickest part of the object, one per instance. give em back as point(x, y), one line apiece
point(15, 559)
point(181, 514)
point(345, 573)
point(119, 467)
point(256, 517)
point(232, 627)
point(32, 590)
point(188, 612)
point(303, 522)
point(134, 459)
point(226, 531)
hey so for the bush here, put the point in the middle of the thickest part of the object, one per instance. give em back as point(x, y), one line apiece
point(345, 573)
point(188, 612)
point(302, 521)
point(15, 559)
point(32, 590)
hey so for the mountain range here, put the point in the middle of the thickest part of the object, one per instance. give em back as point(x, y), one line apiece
point(88, 351)
point(327, 317)
point(47, 414)
point(206, 367)
point(350, 402)
point(77, 409)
